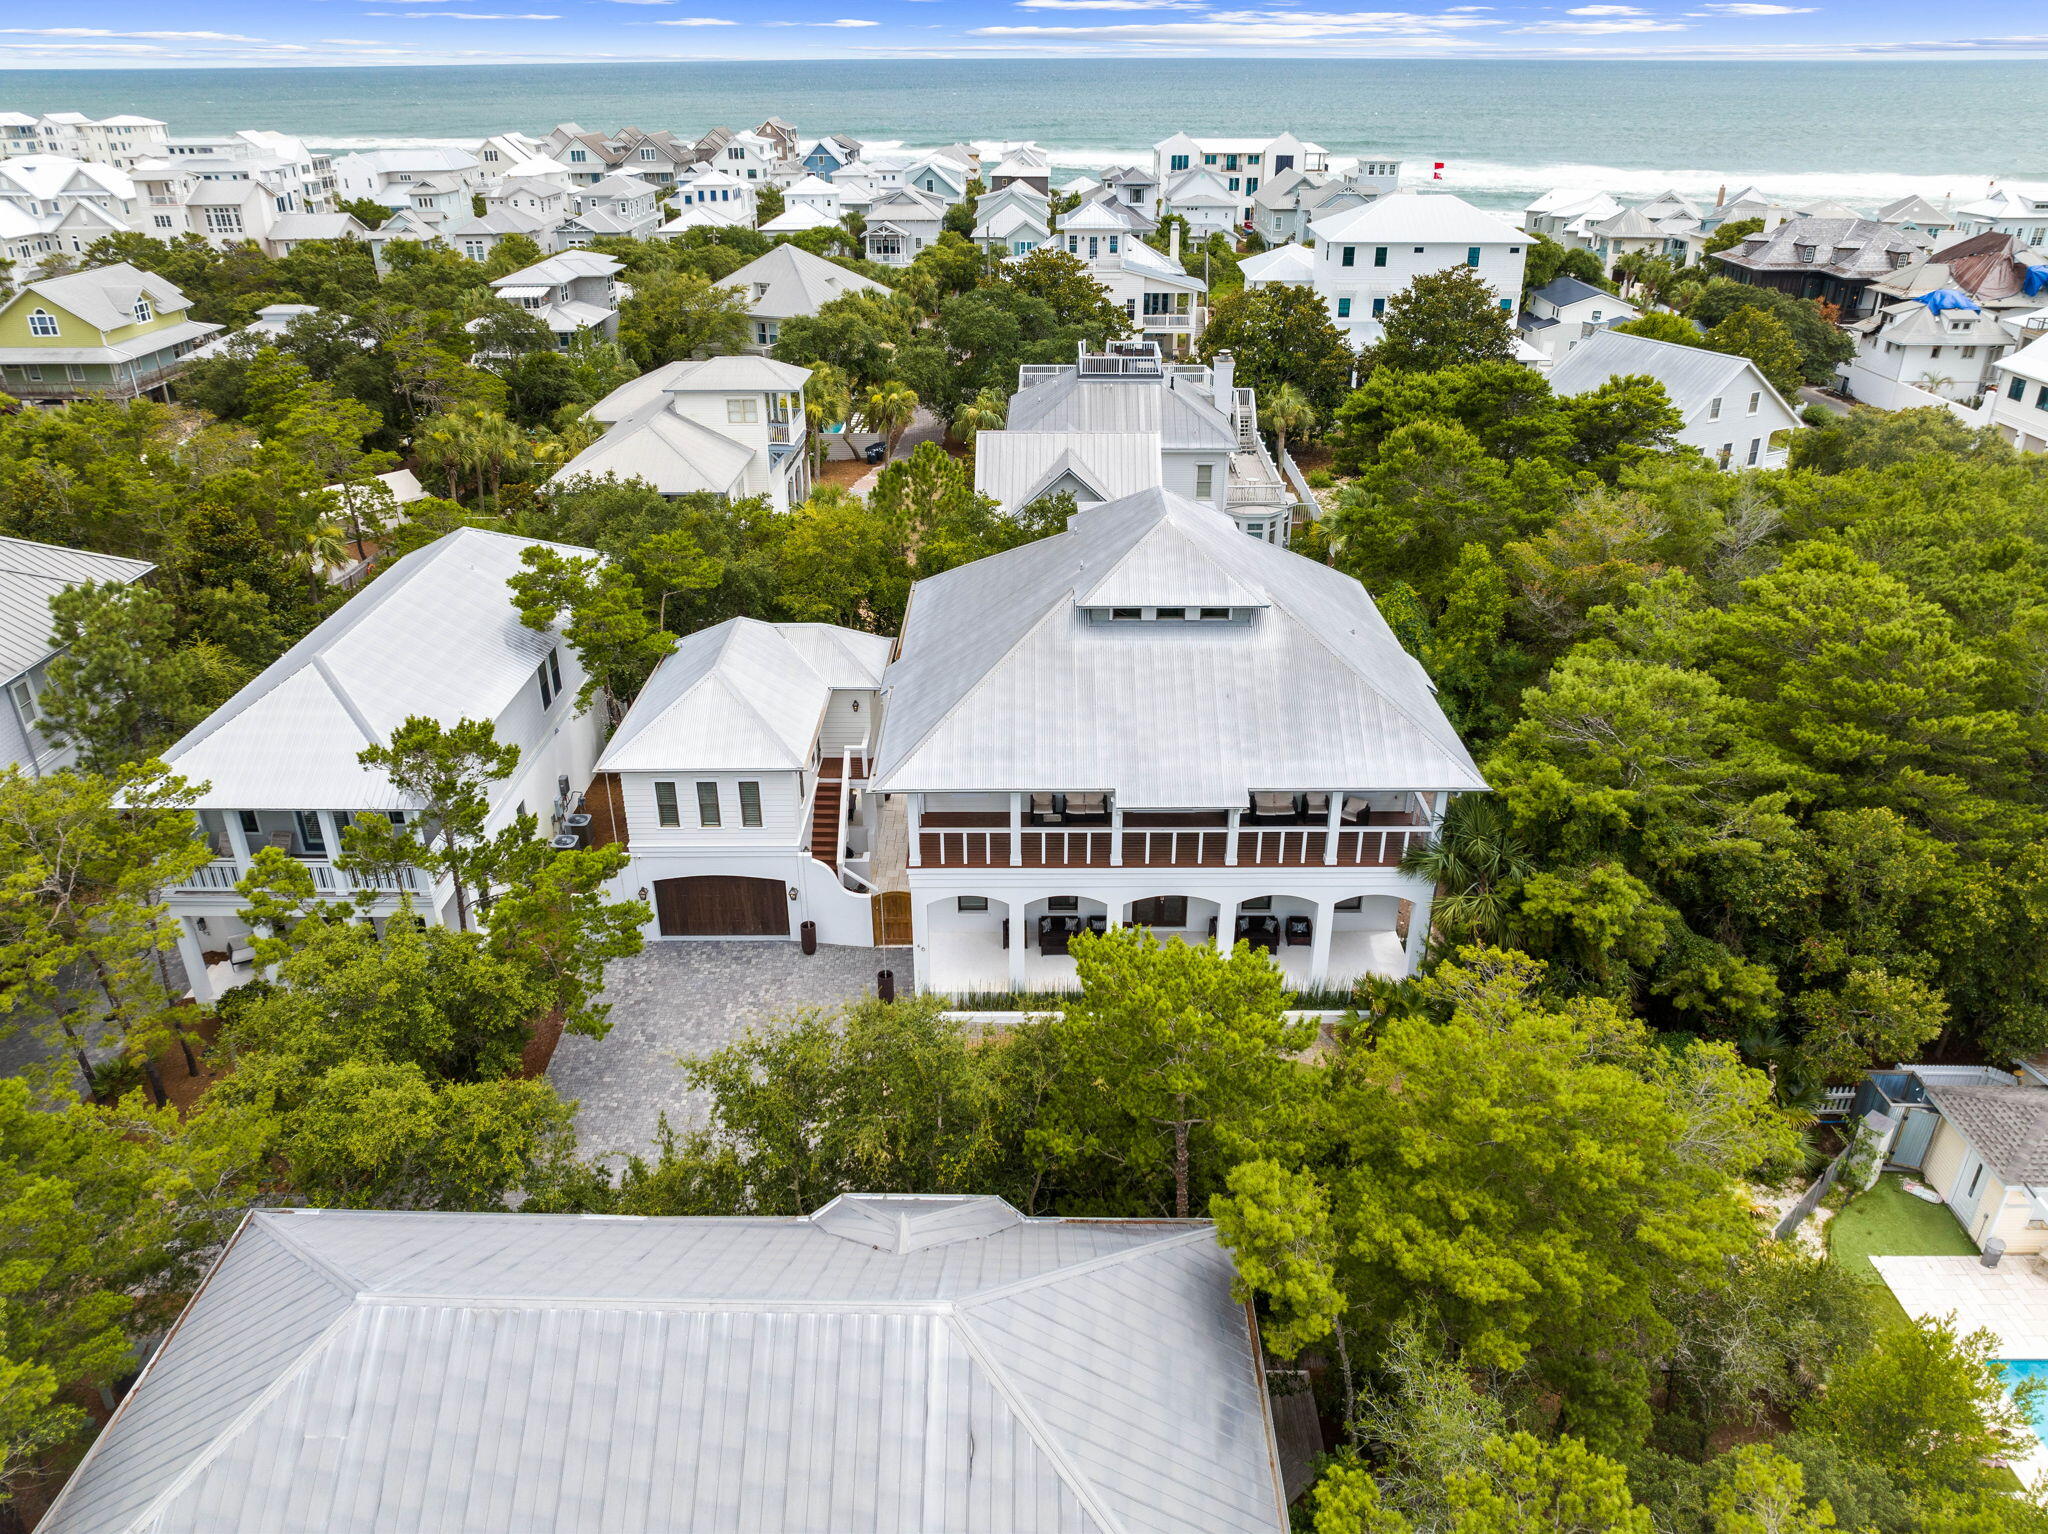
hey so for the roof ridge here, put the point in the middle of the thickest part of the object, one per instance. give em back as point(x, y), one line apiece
point(1079, 1269)
point(1041, 1435)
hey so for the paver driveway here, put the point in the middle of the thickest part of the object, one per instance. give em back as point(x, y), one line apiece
point(676, 999)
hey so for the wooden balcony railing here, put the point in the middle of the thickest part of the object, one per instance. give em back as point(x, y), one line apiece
point(1192, 847)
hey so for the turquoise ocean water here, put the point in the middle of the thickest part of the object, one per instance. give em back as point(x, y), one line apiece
point(1863, 132)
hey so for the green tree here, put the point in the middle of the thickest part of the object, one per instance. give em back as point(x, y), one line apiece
point(1064, 284)
point(1287, 413)
point(555, 921)
point(1545, 261)
point(366, 211)
point(1730, 234)
point(985, 412)
point(444, 773)
point(1276, 1224)
point(1280, 335)
point(1659, 325)
point(768, 203)
point(889, 409)
point(602, 609)
point(121, 687)
point(1529, 1487)
point(1440, 320)
point(1178, 1054)
point(1764, 1493)
point(676, 315)
point(1822, 344)
point(1764, 340)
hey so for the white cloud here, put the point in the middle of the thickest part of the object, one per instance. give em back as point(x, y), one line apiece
point(693, 21)
point(353, 42)
point(844, 21)
point(643, 2)
point(463, 16)
point(1263, 28)
point(1106, 5)
point(1754, 10)
point(204, 37)
point(1602, 28)
point(1606, 10)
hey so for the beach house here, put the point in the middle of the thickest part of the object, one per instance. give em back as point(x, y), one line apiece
point(2019, 210)
point(110, 330)
point(1243, 163)
point(51, 204)
point(122, 141)
point(1564, 312)
point(1367, 254)
point(1163, 301)
point(387, 175)
point(730, 426)
point(1731, 413)
point(790, 282)
point(30, 575)
point(902, 221)
point(2016, 403)
point(575, 293)
point(436, 636)
point(1832, 259)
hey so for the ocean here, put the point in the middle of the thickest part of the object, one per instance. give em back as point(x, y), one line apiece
point(1862, 132)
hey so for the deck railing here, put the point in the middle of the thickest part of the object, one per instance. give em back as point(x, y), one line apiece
point(1178, 847)
point(222, 875)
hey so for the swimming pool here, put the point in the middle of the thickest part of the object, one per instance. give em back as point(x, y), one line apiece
point(2018, 1369)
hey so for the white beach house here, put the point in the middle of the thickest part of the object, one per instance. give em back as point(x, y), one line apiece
point(1731, 412)
point(1365, 255)
point(788, 283)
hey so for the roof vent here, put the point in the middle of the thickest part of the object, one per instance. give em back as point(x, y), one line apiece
point(910, 1222)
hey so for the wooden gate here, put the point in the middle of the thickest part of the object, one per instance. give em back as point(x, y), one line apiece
point(721, 906)
point(892, 919)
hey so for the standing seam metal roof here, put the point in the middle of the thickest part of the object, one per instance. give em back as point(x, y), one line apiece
point(346, 1370)
point(31, 574)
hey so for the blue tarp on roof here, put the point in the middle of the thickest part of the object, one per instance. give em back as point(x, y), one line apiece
point(2037, 279)
point(1946, 298)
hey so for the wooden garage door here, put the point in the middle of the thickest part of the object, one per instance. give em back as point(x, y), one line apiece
point(721, 906)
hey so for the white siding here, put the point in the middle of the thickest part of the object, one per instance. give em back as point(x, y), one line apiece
point(844, 725)
point(781, 811)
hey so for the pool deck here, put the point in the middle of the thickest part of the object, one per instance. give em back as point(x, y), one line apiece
point(2010, 1301)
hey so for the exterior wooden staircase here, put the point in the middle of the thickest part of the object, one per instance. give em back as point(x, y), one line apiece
point(825, 821)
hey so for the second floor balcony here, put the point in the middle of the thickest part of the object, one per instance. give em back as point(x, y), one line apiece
point(310, 838)
point(1277, 829)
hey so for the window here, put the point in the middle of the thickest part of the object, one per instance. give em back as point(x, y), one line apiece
point(1755, 447)
point(142, 312)
point(163, 221)
point(1178, 162)
point(2017, 389)
point(1205, 478)
point(1216, 613)
point(666, 810)
point(223, 220)
point(1756, 400)
point(750, 804)
point(743, 409)
point(971, 903)
point(1234, 183)
point(1472, 255)
point(1169, 612)
point(1063, 902)
point(1349, 256)
point(311, 835)
point(555, 669)
point(1379, 255)
point(1726, 455)
point(1112, 245)
point(1379, 307)
point(474, 249)
point(647, 154)
point(1126, 614)
point(1208, 159)
point(25, 701)
point(549, 684)
point(1714, 409)
point(1256, 903)
point(1251, 183)
point(1355, 903)
point(707, 804)
point(1343, 308)
point(42, 323)
point(577, 154)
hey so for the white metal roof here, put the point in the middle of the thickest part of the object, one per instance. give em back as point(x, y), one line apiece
point(1418, 218)
point(720, 375)
point(742, 696)
point(1017, 467)
point(555, 270)
point(104, 296)
point(437, 635)
point(1182, 418)
point(890, 1364)
point(1691, 375)
point(1294, 264)
point(1004, 682)
point(32, 573)
point(671, 452)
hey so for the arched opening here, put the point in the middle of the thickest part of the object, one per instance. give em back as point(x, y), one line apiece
point(1051, 924)
point(1277, 923)
point(1366, 933)
point(721, 905)
point(966, 944)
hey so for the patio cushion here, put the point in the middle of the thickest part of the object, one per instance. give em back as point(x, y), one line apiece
point(1272, 804)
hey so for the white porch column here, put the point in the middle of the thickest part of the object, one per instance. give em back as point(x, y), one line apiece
point(1418, 930)
point(1334, 820)
point(237, 838)
point(1018, 938)
point(1226, 920)
point(1016, 830)
point(1230, 837)
point(330, 833)
point(189, 948)
point(913, 814)
point(1116, 833)
point(1319, 945)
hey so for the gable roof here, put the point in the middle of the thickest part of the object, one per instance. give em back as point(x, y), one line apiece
point(1563, 291)
point(1294, 264)
point(742, 696)
point(104, 296)
point(437, 634)
point(2007, 1125)
point(798, 282)
point(1004, 682)
point(32, 573)
point(1182, 419)
point(738, 371)
point(555, 270)
point(671, 452)
point(1017, 467)
point(887, 1363)
point(1691, 375)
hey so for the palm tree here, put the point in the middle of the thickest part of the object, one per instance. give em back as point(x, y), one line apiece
point(985, 412)
point(827, 402)
point(890, 409)
point(1629, 268)
point(1288, 413)
point(1477, 862)
point(324, 546)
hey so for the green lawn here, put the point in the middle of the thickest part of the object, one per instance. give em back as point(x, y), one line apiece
point(1889, 1222)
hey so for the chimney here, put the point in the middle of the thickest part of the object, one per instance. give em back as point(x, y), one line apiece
point(1222, 375)
point(1721, 194)
point(1173, 239)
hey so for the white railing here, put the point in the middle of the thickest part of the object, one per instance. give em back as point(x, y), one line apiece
point(1180, 846)
point(1280, 844)
point(964, 849)
point(1380, 846)
point(1245, 408)
point(223, 874)
point(1059, 849)
point(220, 874)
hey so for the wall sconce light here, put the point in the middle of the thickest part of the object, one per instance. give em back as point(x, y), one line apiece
point(200, 923)
point(643, 892)
point(792, 894)
point(856, 705)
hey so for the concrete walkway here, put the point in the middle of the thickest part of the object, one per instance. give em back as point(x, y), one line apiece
point(675, 1000)
point(925, 427)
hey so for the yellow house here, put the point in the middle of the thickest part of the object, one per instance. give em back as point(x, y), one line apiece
point(1988, 1160)
point(113, 331)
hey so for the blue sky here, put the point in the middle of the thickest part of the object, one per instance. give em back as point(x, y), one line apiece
point(171, 33)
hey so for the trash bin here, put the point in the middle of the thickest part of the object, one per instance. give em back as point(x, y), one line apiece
point(809, 933)
point(885, 984)
point(1993, 1250)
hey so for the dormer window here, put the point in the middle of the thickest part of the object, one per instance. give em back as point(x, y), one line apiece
point(42, 323)
point(1126, 614)
point(1169, 612)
